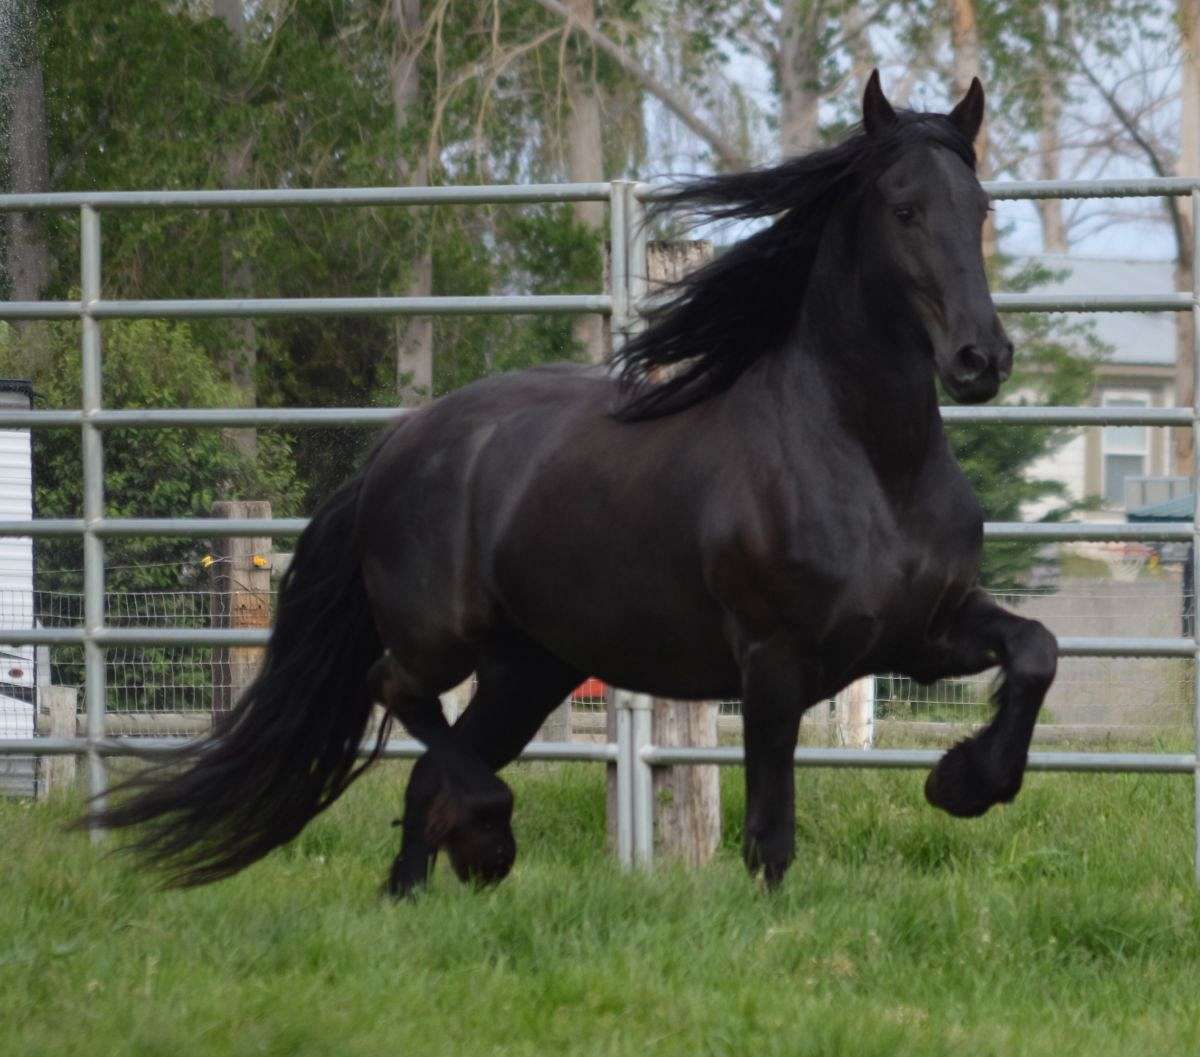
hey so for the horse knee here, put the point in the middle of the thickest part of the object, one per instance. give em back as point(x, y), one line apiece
point(1033, 658)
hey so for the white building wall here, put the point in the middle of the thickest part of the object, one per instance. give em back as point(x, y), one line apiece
point(16, 581)
point(1068, 466)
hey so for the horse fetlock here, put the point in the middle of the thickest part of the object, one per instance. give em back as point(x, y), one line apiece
point(409, 875)
point(768, 854)
point(966, 782)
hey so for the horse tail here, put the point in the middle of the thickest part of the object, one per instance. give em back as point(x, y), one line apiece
point(289, 747)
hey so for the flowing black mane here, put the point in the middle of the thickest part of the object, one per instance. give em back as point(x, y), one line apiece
point(741, 306)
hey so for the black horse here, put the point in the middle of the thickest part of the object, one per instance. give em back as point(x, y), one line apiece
point(779, 516)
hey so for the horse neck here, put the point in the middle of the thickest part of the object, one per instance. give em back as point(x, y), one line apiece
point(875, 368)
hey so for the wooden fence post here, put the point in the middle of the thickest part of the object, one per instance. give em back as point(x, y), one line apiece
point(241, 598)
point(56, 718)
point(687, 800)
point(855, 708)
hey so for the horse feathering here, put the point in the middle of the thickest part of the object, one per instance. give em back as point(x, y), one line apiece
point(714, 323)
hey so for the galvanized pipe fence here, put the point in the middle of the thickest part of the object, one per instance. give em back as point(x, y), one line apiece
point(633, 753)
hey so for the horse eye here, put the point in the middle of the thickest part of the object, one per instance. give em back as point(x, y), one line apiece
point(904, 214)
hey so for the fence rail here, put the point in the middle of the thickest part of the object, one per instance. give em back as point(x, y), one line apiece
point(633, 751)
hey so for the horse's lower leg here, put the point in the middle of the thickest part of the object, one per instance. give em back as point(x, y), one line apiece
point(773, 689)
point(454, 799)
point(451, 792)
point(988, 768)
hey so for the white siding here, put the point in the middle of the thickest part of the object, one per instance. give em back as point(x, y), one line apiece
point(16, 580)
point(1068, 466)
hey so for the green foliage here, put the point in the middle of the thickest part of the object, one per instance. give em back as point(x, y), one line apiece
point(147, 473)
point(310, 92)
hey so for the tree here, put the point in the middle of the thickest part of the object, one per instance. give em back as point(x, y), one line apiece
point(169, 473)
point(414, 334)
point(316, 84)
point(585, 153)
point(727, 152)
point(236, 275)
point(1099, 51)
point(27, 258)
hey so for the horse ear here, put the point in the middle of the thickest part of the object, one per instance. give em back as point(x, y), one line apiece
point(877, 111)
point(967, 117)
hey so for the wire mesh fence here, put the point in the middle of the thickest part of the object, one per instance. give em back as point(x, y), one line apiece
point(155, 690)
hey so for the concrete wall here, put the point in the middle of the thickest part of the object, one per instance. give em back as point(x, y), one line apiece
point(1122, 690)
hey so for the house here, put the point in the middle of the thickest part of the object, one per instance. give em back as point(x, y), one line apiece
point(1137, 370)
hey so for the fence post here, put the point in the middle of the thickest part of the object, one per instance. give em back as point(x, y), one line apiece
point(56, 718)
point(687, 800)
point(1195, 582)
point(619, 802)
point(855, 707)
point(557, 725)
point(95, 695)
point(686, 812)
point(241, 598)
point(678, 805)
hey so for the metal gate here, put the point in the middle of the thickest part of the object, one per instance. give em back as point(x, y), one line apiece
point(633, 752)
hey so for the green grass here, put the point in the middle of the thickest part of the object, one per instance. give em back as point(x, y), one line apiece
point(1064, 924)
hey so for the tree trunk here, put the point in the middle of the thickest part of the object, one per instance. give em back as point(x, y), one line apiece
point(1188, 13)
point(964, 42)
point(414, 334)
point(585, 163)
point(28, 256)
point(729, 153)
point(236, 276)
point(799, 75)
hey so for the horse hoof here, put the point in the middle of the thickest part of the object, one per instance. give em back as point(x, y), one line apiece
point(482, 855)
point(960, 784)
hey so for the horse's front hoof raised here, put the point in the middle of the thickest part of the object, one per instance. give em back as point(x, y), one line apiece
point(960, 783)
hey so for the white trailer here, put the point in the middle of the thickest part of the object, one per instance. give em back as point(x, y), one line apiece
point(18, 664)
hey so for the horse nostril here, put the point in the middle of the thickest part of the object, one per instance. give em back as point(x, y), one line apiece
point(971, 361)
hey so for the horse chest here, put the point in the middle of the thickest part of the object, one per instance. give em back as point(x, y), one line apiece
point(939, 542)
point(872, 567)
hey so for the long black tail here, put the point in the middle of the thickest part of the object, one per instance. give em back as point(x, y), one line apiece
point(289, 747)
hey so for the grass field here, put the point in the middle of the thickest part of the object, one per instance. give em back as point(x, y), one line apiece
point(1064, 924)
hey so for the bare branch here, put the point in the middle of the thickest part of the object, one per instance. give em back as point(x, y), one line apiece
point(726, 150)
point(1150, 150)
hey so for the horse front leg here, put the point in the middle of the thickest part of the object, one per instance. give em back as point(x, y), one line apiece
point(773, 699)
point(988, 767)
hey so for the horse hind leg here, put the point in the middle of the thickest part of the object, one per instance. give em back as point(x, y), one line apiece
point(457, 802)
point(453, 799)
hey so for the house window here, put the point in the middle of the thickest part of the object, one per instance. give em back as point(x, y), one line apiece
point(1125, 450)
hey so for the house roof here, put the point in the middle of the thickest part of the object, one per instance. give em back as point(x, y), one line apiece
point(1139, 338)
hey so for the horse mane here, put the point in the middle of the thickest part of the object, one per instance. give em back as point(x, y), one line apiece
point(717, 321)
